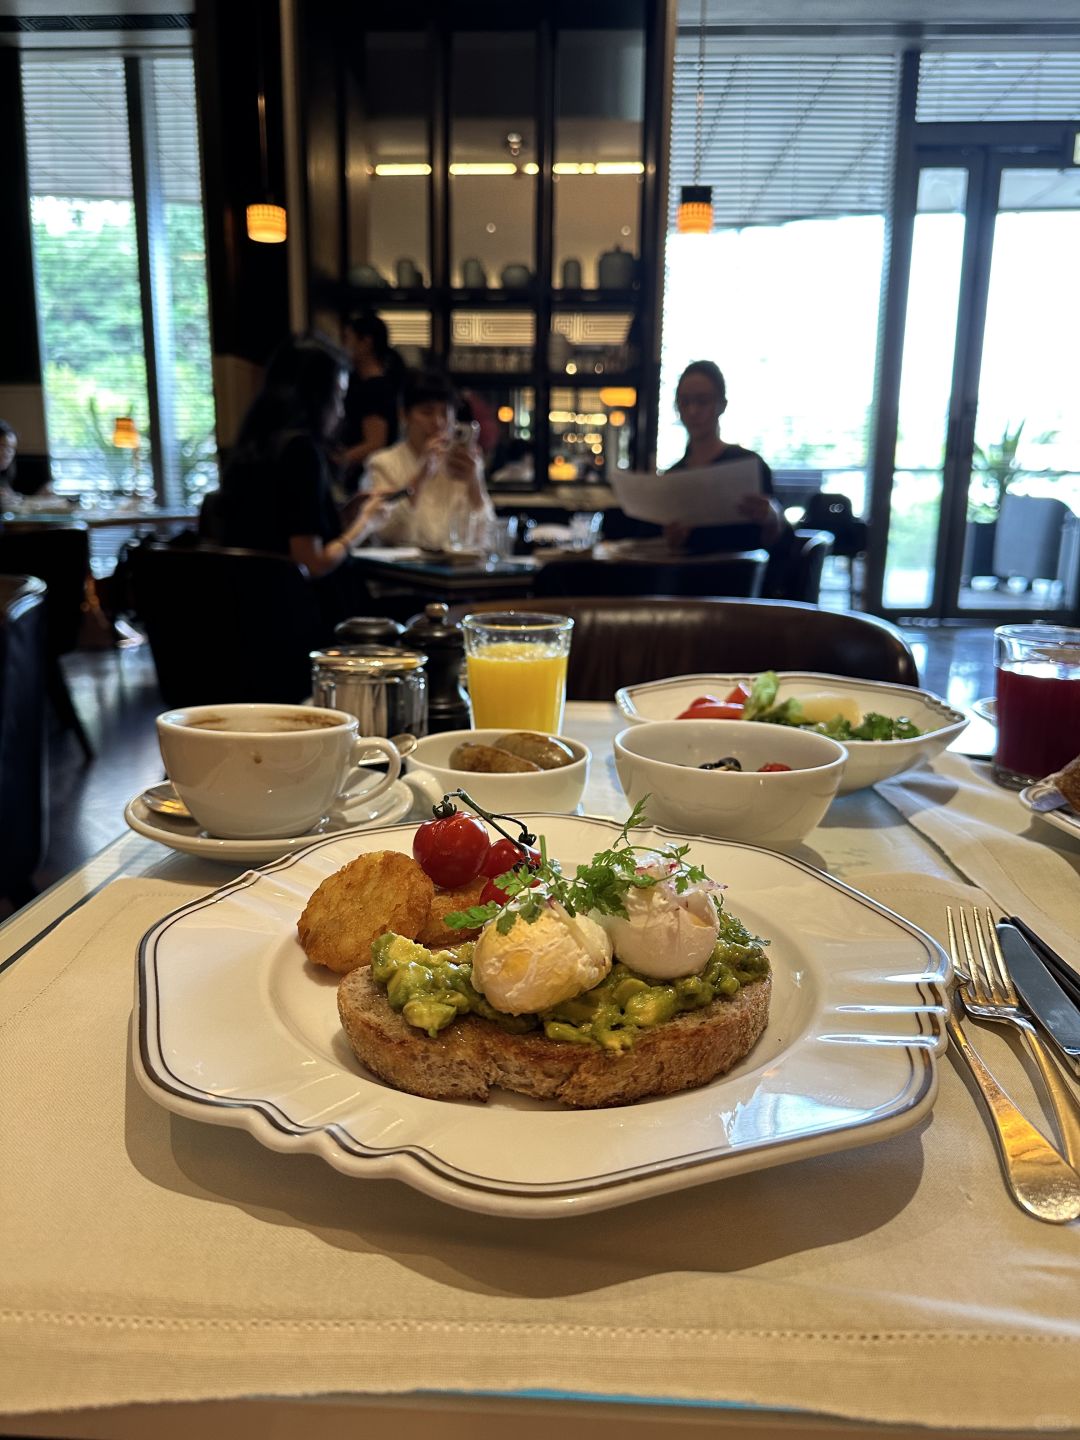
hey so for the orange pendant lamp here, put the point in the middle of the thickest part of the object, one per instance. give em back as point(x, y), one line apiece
point(266, 221)
point(695, 213)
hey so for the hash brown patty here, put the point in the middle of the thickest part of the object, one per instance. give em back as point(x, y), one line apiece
point(372, 894)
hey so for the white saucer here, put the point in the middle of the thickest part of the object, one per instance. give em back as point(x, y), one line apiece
point(985, 709)
point(184, 835)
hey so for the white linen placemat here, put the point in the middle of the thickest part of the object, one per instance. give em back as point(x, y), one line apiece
point(146, 1257)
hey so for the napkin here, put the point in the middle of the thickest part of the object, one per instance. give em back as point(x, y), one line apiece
point(1026, 867)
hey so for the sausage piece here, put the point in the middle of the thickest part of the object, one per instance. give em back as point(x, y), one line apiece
point(487, 760)
point(543, 750)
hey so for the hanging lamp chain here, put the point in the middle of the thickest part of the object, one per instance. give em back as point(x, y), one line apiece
point(699, 103)
point(264, 160)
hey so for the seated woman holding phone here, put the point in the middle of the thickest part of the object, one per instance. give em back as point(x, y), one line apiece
point(432, 481)
point(275, 492)
point(701, 399)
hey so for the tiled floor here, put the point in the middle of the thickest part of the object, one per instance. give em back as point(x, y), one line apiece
point(116, 694)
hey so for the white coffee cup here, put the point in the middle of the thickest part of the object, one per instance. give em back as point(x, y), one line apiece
point(268, 770)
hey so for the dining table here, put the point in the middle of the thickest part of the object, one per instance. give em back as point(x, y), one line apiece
point(161, 1276)
point(619, 567)
point(447, 575)
point(109, 526)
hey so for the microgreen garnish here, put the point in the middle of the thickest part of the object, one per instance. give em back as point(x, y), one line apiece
point(602, 884)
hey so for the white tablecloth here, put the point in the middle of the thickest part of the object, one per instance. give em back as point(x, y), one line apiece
point(145, 1258)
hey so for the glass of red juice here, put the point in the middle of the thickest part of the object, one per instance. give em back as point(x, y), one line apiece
point(1037, 668)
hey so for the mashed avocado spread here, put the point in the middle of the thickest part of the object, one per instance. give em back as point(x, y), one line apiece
point(431, 988)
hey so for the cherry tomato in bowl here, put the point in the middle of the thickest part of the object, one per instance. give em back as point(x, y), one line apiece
point(719, 710)
point(773, 766)
point(450, 851)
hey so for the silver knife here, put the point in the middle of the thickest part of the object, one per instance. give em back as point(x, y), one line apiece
point(1042, 994)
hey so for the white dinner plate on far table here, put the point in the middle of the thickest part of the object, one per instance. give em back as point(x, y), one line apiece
point(186, 836)
point(234, 1027)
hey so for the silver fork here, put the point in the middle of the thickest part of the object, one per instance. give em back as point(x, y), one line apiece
point(989, 993)
point(1038, 1178)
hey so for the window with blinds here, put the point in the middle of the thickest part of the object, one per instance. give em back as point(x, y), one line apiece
point(90, 302)
point(784, 137)
point(86, 271)
point(188, 363)
point(784, 293)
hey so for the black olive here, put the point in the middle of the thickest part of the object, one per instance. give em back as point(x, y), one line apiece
point(727, 763)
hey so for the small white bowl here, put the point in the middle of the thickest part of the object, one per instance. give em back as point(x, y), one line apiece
point(429, 775)
point(660, 759)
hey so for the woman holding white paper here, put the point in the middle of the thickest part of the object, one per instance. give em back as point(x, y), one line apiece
point(701, 398)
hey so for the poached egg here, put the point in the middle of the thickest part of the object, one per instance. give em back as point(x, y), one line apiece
point(534, 966)
point(665, 935)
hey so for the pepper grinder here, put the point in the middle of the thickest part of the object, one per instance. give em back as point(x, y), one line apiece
point(443, 642)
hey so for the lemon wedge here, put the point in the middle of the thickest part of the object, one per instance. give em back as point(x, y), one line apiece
point(820, 709)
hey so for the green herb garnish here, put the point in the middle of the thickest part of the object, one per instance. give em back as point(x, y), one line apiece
point(600, 885)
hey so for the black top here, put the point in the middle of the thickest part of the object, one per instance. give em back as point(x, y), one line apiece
point(375, 396)
point(706, 538)
point(265, 503)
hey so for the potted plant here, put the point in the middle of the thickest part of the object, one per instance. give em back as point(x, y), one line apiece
point(993, 470)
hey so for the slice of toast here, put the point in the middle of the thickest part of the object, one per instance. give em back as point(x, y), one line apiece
point(472, 1055)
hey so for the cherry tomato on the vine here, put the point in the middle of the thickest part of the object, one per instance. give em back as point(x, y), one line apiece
point(451, 851)
point(490, 893)
point(493, 891)
point(504, 855)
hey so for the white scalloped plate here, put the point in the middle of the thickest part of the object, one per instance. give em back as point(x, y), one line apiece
point(868, 760)
point(235, 1028)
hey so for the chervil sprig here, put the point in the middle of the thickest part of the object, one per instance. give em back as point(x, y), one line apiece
point(601, 885)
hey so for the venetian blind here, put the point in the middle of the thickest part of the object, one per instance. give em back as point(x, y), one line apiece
point(76, 128)
point(177, 126)
point(785, 137)
point(991, 86)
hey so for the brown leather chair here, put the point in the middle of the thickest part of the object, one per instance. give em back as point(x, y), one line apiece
point(226, 625)
point(626, 641)
point(740, 573)
point(59, 555)
point(795, 574)
point(22, 734)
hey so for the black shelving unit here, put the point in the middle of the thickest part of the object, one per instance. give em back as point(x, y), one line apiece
point(431, 79)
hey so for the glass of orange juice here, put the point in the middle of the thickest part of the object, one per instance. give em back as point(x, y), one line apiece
point(516, 664)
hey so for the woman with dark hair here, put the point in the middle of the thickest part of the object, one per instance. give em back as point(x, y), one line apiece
point(275, 492)
point(371, 405)
point(435, 468)
point(701, 399)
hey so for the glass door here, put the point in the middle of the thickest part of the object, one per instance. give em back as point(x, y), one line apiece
point(985, 486)
point(1022, 518)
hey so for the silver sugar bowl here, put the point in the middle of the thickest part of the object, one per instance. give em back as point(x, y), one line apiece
point(383, 686)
